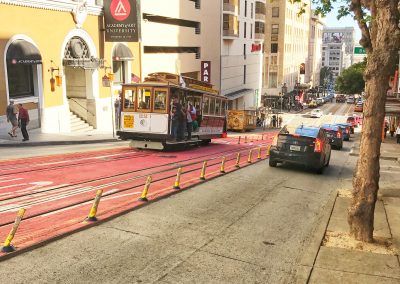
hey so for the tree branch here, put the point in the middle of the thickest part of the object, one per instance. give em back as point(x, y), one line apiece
point(365, 41)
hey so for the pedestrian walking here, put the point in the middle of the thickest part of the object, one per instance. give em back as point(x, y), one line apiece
point(274, 121)
point(280, 122)
point(11, 113)
point(398, 134)
point(386, 128)
point(392, 128)
point(23, 119)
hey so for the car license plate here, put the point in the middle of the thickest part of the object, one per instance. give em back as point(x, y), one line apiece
point(294, 148)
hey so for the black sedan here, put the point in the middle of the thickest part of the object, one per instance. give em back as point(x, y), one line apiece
point(301, 145)
point(334, 134)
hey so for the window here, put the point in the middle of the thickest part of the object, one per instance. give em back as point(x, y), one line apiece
point(275, 12)
point(274, 32)
point(251, 31)
point(273, 80)
point(218, 107)
point(129, 100)
point(251, 12)
point(245, 29)
point(274, 48)
point(206, 105)
point(244, 51)
point(119, 72)
point(212, 106)
point(245, 8)
point(244, 74)
point(223, 108)
point(259, 28)
point(144, 99)
point(160, 100)
point(20, 80)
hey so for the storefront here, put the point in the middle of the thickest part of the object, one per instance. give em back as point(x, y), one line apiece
point(52, 60)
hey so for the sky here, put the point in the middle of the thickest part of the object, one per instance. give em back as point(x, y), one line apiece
point(348, 21)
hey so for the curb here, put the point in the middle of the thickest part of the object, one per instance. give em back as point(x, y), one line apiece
point(306, 265)
point(49, 143)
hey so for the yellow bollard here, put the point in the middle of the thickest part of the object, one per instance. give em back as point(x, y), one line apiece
point(178, 179)
point(259, 154)
point(245, 139)
point(93, 210)
point(203, 171)
point(222, 169)
point(237, 165)
point(8, 247)
point(250, 153)
point(239, 140)
point(143, 197)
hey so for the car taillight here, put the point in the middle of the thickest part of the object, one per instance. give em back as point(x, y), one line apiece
point(318, 145)
point(338, 134)
point(347, 130)
point(275, 141)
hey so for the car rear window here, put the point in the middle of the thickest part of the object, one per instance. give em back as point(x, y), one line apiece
point(301, 131)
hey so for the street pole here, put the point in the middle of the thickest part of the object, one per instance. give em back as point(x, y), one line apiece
point(112, 108)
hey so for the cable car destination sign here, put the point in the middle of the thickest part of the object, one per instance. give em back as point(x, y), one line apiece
point(122, 20)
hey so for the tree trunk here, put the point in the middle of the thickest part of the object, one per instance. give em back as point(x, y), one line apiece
point(381, 53)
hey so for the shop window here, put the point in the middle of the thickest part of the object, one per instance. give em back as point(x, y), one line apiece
point(129, 100)
point(160, 100)
point(20, 80)
point(144, 99)
point(119, 72)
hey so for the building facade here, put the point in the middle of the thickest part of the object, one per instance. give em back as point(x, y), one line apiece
point(242, 38)
point(55, 66)
point(286, 46)
point(314, 64)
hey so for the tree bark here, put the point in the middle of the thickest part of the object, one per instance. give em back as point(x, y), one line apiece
point(384, 39)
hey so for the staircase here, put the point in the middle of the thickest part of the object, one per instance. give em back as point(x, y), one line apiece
point(78, 124)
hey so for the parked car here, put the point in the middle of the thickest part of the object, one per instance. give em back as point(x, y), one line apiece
point(358, 107)
point(316, 113)
point(312, 104)
point(347, 129)
point(320, 101)
point(308, 146)
point(334, 134)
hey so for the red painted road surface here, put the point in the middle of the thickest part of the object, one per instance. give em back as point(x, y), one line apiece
point(58, 191)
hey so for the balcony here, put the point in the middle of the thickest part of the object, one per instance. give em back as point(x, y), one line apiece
point(231, 7)
point(260, 17)
point(259, 36)
point(230, 26)
point(230, 33)
point(260, 11)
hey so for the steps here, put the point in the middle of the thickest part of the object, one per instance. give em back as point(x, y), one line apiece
point(79, 125)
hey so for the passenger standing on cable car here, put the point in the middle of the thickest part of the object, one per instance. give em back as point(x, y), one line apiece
point(177, 116)
point(190, 118)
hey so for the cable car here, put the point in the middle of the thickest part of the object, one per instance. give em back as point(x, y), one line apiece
point(146, 112)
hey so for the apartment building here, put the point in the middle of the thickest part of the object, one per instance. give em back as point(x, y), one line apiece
point(241, 52)
point(314, 64)
point(338, 49)
point(286, 46)
point(179, 35)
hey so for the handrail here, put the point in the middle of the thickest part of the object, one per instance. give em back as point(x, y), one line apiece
point(85, 108)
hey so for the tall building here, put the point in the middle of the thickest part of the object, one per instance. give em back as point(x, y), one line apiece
point(314, 64)
point(337, 49)
point(241, 52)
point(286, 46)
point(178, 35)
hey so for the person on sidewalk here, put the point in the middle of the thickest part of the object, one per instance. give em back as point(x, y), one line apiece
point(11, 112)
point(398, 134)
point(23, 119)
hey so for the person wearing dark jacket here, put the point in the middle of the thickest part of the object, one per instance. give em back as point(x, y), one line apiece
point(23, 119)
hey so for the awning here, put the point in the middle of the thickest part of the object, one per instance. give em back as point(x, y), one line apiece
point(238, 94)
point(122, 53)
point(23, 52)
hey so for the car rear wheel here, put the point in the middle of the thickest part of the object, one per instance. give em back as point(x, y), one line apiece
point(272, 163)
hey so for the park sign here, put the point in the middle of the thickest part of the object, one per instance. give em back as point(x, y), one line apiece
point(359, 50)
point(121, 19)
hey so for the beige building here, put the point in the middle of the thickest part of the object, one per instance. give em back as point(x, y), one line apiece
point(314, 64)
point(286, 46)
point(241, 52)
point(177, 35)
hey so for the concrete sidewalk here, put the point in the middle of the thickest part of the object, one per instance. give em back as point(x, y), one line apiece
point(340, 259)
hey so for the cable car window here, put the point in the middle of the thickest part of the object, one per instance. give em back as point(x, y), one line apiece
point(129, 100)
point(160, 100)
point(223, 108)
point(206, 105)
point(144, 99)
point(218, 107)
point(212, 106)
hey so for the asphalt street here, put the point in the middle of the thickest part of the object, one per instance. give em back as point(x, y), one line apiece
point(250, 226)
